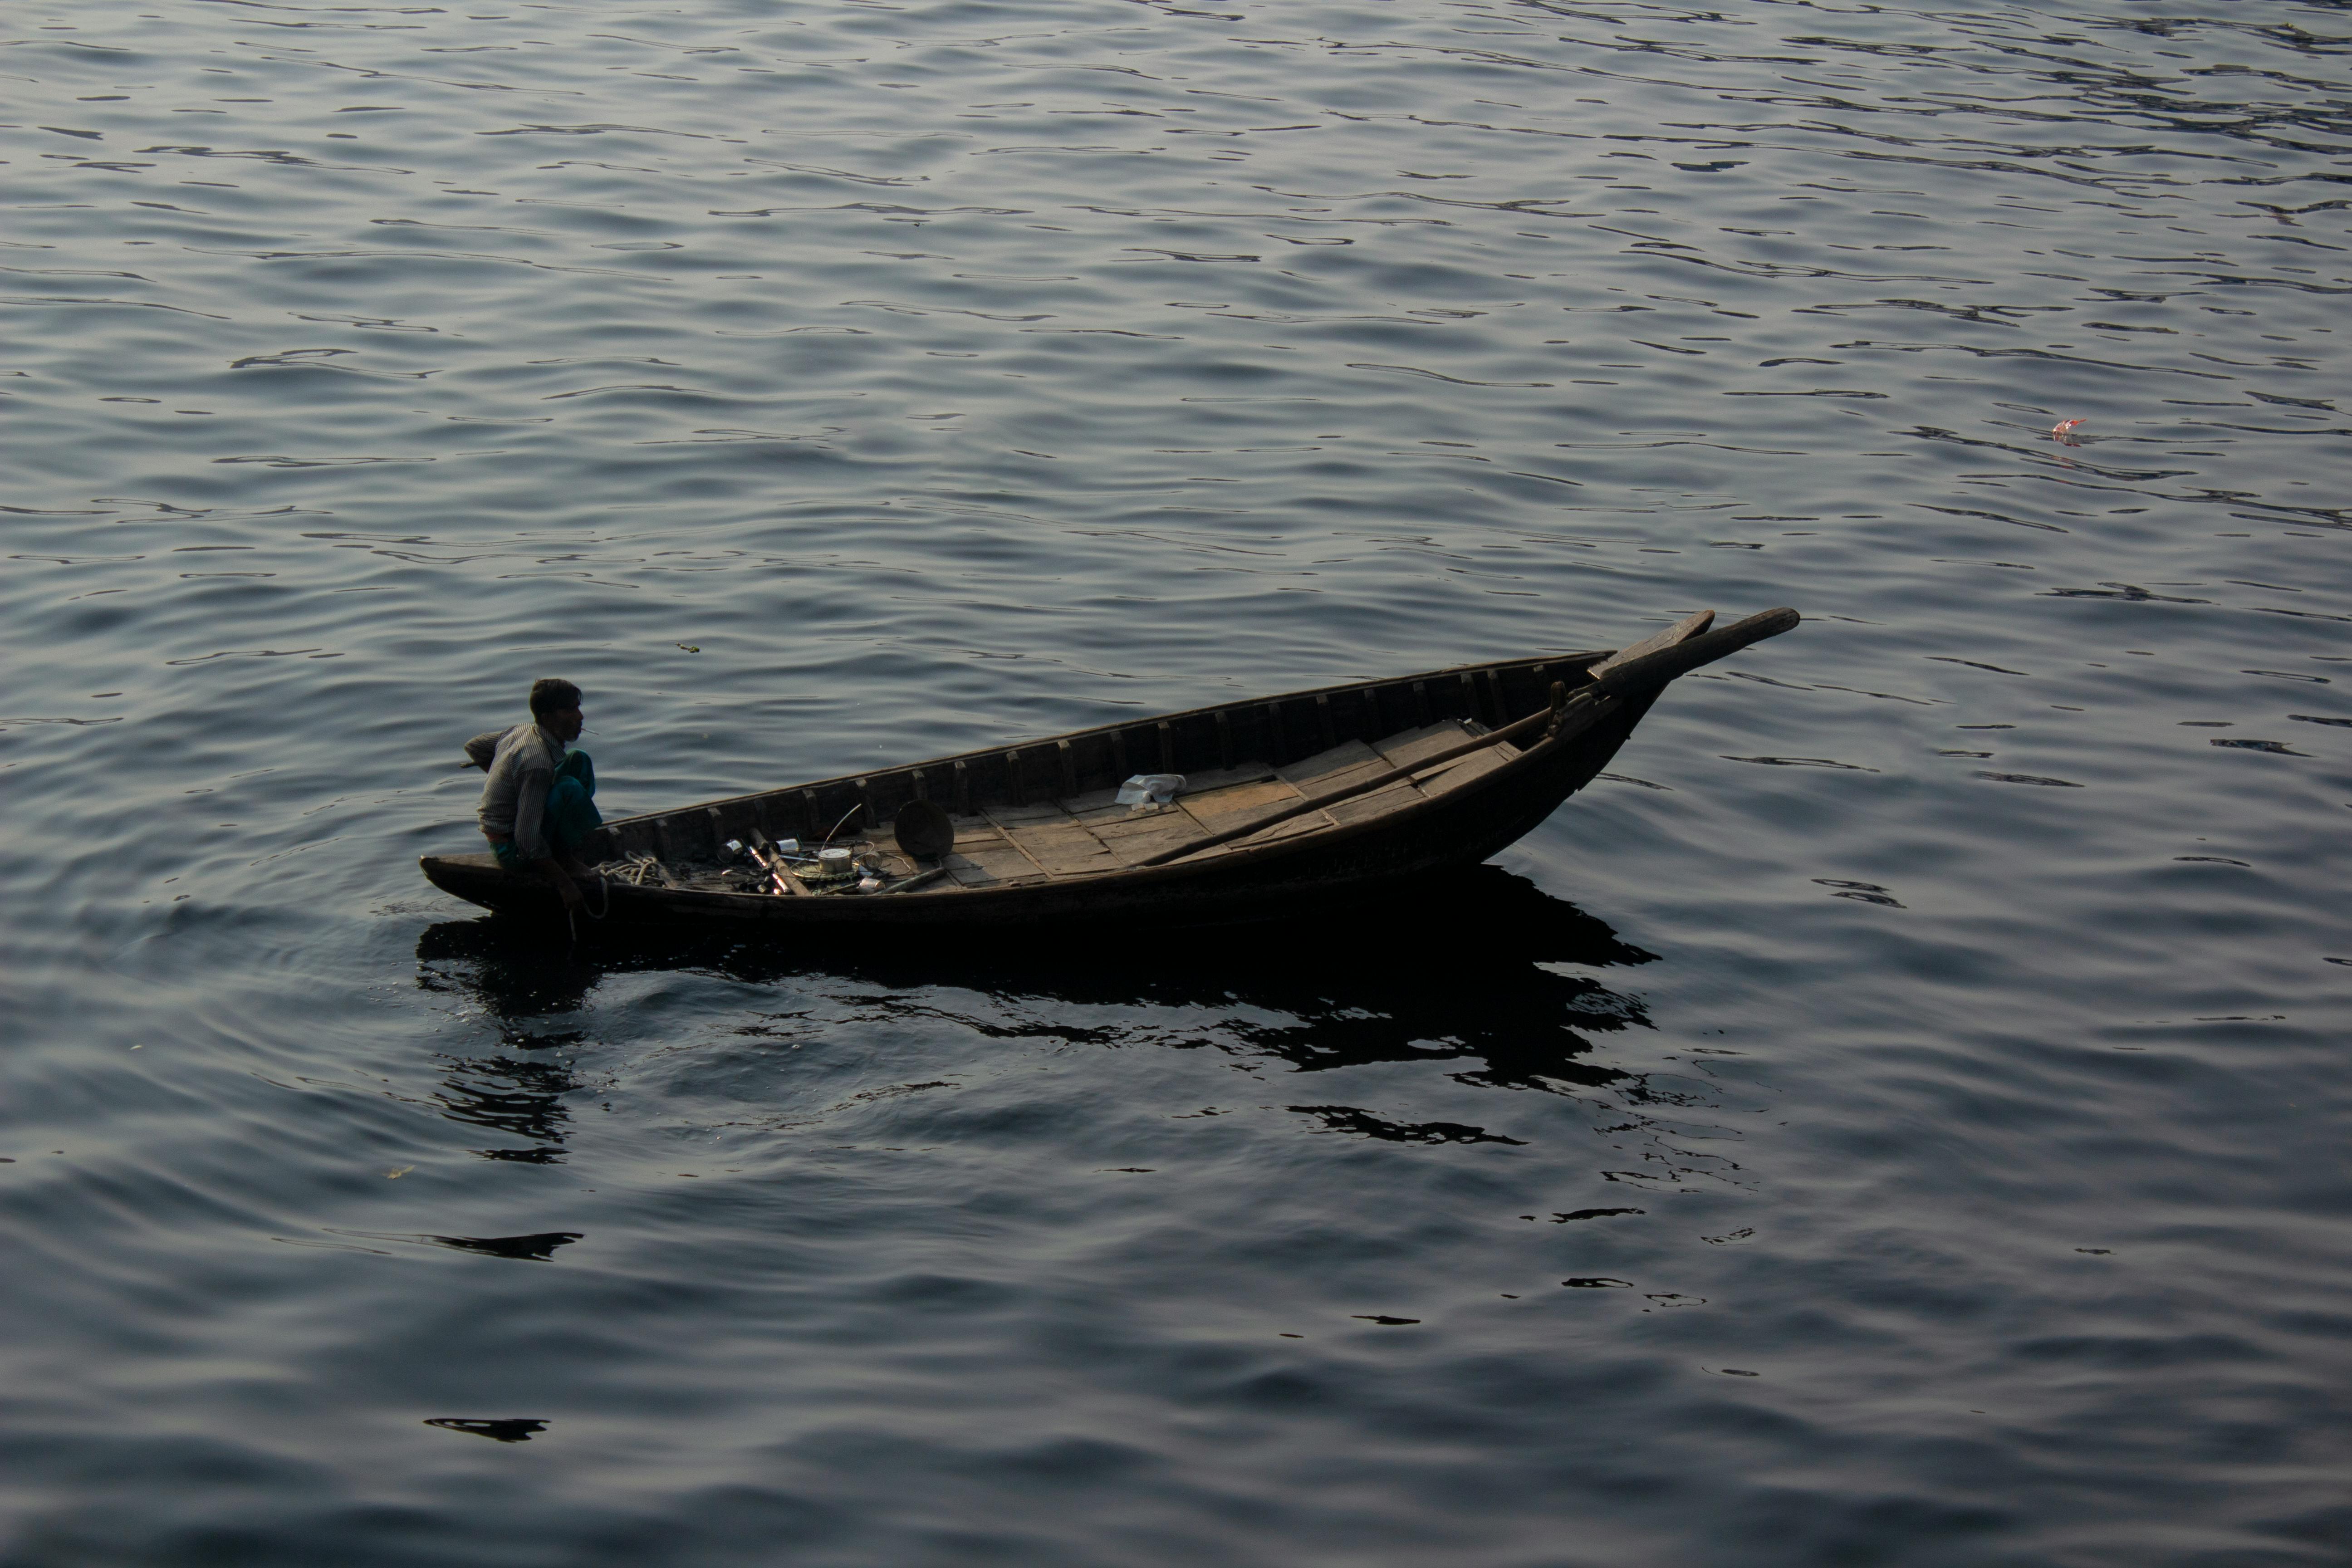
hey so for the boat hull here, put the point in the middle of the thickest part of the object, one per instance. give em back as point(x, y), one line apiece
point(1463, 829)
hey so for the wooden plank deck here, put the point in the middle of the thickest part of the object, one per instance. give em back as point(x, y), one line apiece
point(1415, 744)
point(1090, 834)
point(984, 857)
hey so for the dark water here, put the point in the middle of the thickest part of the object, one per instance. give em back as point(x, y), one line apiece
point(1898, 1118)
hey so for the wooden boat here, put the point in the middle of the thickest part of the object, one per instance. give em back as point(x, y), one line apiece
point(1285, 801)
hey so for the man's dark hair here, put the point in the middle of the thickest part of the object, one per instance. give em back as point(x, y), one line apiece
point(549, 695)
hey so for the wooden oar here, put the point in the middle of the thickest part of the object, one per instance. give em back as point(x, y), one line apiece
point(1641, 668)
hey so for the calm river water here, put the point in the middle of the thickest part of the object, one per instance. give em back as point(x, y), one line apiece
point(1898, 1117)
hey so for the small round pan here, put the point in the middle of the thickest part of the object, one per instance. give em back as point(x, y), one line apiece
point(923, 830)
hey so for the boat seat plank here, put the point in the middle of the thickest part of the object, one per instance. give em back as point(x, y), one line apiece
point(1297, 827)
point(1334, 769)
point(1209, 780)
point(1477, 765)
point(1379, 803)
point(1010, 815)
point(1215, 811)
point(1131, 837)
point(1064, 848)
point(1404, 750)
point(1229, 806)
point(986, 863)
point(975, 833)
point(1004, 819)
point(1095, 806)
point(1135, 819)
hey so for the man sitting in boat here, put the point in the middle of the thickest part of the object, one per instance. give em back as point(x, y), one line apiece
point(538, 805)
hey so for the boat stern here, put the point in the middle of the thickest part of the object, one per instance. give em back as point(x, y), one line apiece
point(481, 879)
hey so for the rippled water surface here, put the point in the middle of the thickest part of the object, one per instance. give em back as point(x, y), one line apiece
point(1897, 1117)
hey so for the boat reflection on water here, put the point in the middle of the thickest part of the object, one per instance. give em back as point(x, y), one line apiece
point(1475, 966)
